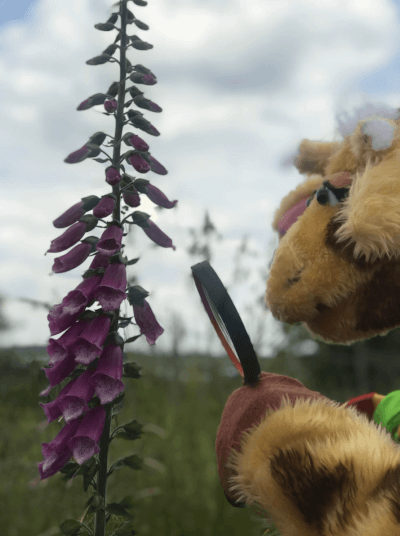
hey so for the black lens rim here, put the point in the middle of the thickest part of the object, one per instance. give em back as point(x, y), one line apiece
point(204, 275)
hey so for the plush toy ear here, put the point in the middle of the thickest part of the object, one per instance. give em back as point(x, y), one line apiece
point(371, 141)
point(314, 156)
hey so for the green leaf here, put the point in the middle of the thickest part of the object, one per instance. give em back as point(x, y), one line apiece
point(89, 315)
point(118, 404)
point(98, 60)
point(134, 92)
point(92, 240)
point(140, 185)
point(91, 222)
point(113, 19)
point(124, 532)
point(140, 218)
point(132, 261)
point(90, 471)
point(90, 272)
point(69, 469)
point(124, 323)
point(98, 137)
point(94, 150)
point(141, 24)
point(142, 69)
point(133, 462)
point(138, 44)
point(70, 527)
point(113, 89)
point(118, 510)
point(90, 202)
point(131, 370)
point(105, 26)
point(130, 431)
point(95, 502)
point(114, 338)
point(136, 294)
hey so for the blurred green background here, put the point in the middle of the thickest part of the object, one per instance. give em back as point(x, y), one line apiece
point(180, 400)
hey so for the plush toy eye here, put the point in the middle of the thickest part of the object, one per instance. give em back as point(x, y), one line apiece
point(328, 194)
point(323, 197)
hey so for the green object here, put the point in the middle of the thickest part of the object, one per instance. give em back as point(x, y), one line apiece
point(388, 414)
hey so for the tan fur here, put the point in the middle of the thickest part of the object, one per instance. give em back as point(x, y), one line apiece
point(319, 468)
point(313, 156)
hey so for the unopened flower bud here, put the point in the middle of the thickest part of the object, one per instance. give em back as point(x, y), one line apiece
point(112, 176)
point(159, 198)
point(110, 105)
point(132, 199)
point(139, 163)
point(68, 238)
point(156, 167)
point(105, 207)
point(138, 143)
point(70, 216)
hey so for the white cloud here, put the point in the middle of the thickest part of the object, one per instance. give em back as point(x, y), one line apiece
point(241, 83)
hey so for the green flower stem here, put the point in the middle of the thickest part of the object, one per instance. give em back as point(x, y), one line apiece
point(100, 523)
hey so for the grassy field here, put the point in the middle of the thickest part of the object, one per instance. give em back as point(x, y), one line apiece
point(178, 493)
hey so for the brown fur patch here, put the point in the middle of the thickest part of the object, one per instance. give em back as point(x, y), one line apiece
point(313, 488)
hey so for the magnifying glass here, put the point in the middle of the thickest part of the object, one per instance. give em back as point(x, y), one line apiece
point(226, 321)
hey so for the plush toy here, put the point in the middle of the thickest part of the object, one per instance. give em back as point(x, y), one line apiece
point(337, 266)
point(317, 467)
point(314, 466)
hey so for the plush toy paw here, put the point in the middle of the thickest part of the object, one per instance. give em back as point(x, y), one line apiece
point(319, 468)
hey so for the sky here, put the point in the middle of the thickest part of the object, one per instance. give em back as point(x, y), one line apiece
point(240, 82)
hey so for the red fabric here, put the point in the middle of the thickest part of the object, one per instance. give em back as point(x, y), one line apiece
point(363, 404)
point(246, 408)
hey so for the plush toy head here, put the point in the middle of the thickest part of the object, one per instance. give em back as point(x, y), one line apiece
point(337, 266)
